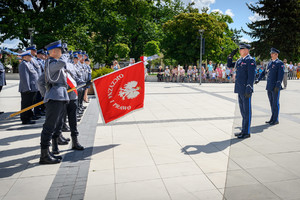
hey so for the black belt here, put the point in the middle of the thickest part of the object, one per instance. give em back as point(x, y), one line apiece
point(59, 84)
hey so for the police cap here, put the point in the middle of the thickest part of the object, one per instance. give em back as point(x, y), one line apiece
point(53, 45)
point(244, 46)
point(33, 47)
point(273, 50)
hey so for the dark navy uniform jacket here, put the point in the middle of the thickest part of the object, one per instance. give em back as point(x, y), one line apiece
point(245, 74)
point(275, 72)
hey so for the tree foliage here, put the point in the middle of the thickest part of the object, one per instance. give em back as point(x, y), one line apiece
point(279, 28)
point(121, 50)
point(105, 28)
point(151, 48)
point(182, 41)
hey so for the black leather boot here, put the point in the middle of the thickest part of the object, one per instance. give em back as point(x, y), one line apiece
point(61, 140)
point(54, 156)
point(75, 144)
point(46, 158)
point(55, 149)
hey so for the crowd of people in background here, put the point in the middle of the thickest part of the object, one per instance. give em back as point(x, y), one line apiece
point(216, 73)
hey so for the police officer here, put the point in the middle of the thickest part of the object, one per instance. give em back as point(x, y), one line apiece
point(2, 75)
point(27, 86)
point(89, 77)
point(39, 68)
point(79, 74)
point(41, 57)
point(275, 71)
point(55, 98)
point(81, 69)
point(245, 74)
point(71, 110)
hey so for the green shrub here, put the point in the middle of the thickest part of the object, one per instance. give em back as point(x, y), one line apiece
point(100, 72)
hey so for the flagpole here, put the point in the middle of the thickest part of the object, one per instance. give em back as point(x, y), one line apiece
point(41, 102)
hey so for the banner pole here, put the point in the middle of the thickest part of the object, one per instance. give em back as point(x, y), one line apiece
point(41, 102)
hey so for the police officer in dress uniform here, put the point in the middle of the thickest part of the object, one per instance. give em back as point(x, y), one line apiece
point(79, 75)
point(41, 57)
point(38, 67)
point(81, 68)
point(2, 75)
point(275, 71)
point(27, 86)
point(245, 74)
point(55, 97)
point(71, 110)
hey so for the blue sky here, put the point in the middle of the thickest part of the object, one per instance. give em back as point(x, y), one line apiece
point(236, 8)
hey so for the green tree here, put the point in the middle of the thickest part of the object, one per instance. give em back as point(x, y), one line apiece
point(181, 41)
point(52, 20)
point(279, 28)
point(151, 48)
point(122, 50)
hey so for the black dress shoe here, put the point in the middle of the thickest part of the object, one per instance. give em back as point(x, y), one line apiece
point(243, 136)
point(268, 122)
point(274, 123)
point(28, 122)
point(1, 112)
point(65, 129)
point(238, 134)
point(54, 156)
point(61, 141)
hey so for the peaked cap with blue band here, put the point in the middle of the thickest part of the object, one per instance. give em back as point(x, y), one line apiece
point(244, 46)
point(33, 47)
point(53, 45)
point(26, 53)
point(41, 51)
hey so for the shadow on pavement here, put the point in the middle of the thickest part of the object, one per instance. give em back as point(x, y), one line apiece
point(75, 156)
point(259, 128)
point(11, 167)
point(8, 140)
point(15, 123)
point(211, 147)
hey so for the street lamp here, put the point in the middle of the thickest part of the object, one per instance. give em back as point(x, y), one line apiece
point(31, 31)
point(201, 31)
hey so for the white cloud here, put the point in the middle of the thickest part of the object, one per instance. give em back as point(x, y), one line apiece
point(200, 3)
point(217, 10)
point(11, 44)
point(229, 12)
point(256, 17)
point(245, 40)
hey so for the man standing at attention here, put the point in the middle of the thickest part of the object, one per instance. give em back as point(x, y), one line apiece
point(2, 75)
point(245, 74)
point(275, 72)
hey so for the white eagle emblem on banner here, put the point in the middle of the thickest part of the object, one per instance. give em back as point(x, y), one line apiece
point(129, 91)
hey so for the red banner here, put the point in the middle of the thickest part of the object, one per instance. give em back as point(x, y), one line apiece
point(121, 91)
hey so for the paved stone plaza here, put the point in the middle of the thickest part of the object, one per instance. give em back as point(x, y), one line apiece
point(181, 146)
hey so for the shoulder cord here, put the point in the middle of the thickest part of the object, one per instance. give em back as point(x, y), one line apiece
point(54, 81)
